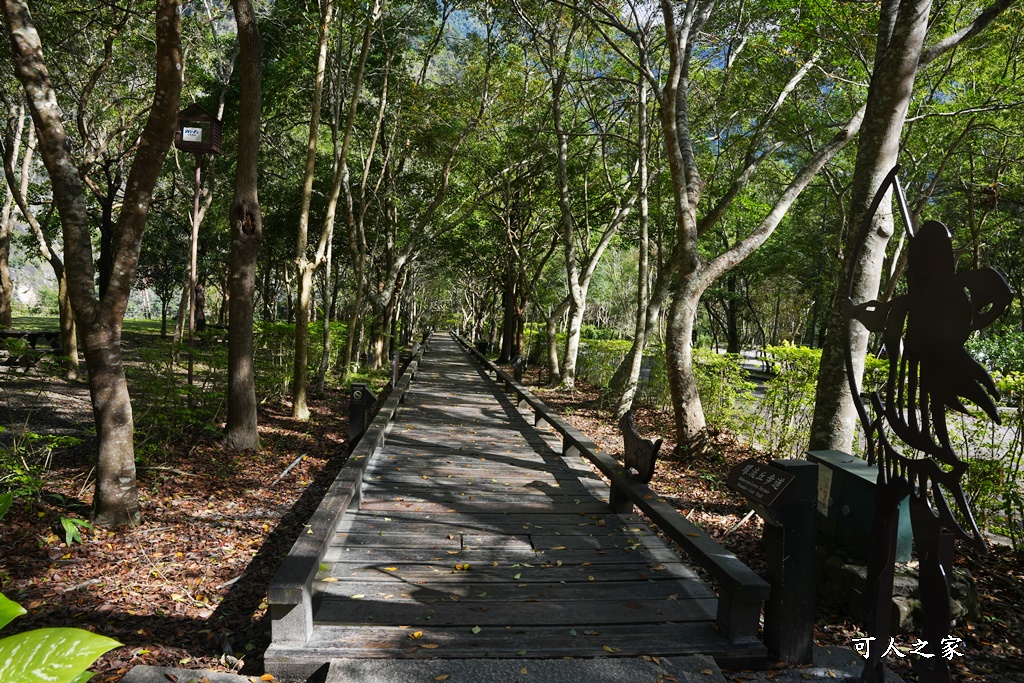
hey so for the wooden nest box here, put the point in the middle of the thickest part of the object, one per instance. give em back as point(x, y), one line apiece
point(199, 131)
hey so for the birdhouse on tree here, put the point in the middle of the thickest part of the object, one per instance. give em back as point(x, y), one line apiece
point(199, 131)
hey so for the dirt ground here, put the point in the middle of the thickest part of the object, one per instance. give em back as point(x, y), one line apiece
point(188, 586)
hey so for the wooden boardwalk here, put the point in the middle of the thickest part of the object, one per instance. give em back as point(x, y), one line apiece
point(474, 537)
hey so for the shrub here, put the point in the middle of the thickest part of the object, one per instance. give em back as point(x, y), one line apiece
point(781, 421)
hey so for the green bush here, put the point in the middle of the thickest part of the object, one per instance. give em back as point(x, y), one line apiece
point(599, 358)
point(781, 421)
point(723, 387)
point(1002, 353)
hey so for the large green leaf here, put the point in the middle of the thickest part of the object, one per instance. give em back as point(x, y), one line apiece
point(5, 503)
point(9, 610)
point(50, 655)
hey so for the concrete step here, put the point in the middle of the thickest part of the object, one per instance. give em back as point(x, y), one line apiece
point(692, 669)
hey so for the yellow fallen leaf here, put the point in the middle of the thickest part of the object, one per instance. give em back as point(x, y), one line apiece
point(442, 677)
point(658, 568)
point(609, 648)
point(430, 646)
point(416, 634)
point(523, 671)
point(329, 578)
point(707, 672)
point(391, 569)
point(267, 677)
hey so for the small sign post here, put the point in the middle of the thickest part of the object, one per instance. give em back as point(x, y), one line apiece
point(785, 495)
point(199, 132)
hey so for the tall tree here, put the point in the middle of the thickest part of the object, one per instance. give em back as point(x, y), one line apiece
point(246, 235)
point(116, 500)
point(900, 55)
point(300, 374)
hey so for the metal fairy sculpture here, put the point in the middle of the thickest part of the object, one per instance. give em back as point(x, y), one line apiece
point(924, 332)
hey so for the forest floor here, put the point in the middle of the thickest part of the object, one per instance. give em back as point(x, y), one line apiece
point(188, 586)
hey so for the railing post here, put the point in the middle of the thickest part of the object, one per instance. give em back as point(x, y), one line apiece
point(360, 401)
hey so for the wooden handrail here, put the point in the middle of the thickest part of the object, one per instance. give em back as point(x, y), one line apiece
point(741, 590)
point(290, 593)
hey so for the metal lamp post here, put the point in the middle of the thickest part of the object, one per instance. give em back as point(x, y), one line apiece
point(199, 132)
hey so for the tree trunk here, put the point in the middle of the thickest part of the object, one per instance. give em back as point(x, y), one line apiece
point(551, 327)
point(305, 267)
point(246, 234)
point(116, 499)
point(68, 330)
point(6, 286)
point(902, 28)
point(300, 369)
point(686, 405)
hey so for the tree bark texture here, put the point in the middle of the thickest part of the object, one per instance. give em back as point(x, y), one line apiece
point(902, 28)
point(246, 235)
point(116, 499)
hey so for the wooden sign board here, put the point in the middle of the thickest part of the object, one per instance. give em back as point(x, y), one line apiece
point(759, 482)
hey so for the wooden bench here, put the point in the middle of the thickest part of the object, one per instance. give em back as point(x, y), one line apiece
point(33, 337)
point(740, 590)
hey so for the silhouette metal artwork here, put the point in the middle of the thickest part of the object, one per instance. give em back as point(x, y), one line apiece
point(930, 371)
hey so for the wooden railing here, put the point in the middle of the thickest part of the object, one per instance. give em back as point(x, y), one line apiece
point(290, 593)
point(740, 590)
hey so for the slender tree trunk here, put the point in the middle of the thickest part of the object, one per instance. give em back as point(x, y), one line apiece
point(325, 356)
point(6, 286)
point(624, 382)
point(246, 234)
point(300, 371)
point(551, 327)
point(627, 375)
point(68, 329)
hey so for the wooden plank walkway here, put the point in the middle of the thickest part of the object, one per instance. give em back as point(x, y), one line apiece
point(474, 537)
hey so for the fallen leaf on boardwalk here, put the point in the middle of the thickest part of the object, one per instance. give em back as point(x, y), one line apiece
point(442, 677)
point(416, 634)
point(475, 630)
point(391, 569)
point(430, 646)
point(658, 568)
point(462, 567)
point(609, 648)
point(523, 671)
point(516, 576)
point(709, 672)
point(358, 596)
point(267, 677)
point(329, 578)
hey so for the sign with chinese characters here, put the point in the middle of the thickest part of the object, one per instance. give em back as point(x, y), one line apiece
point(758, 482)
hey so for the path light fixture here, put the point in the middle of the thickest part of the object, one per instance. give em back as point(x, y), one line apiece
point(199, 133)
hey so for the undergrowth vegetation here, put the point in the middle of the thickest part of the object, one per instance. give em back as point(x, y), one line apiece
point(771, 411)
